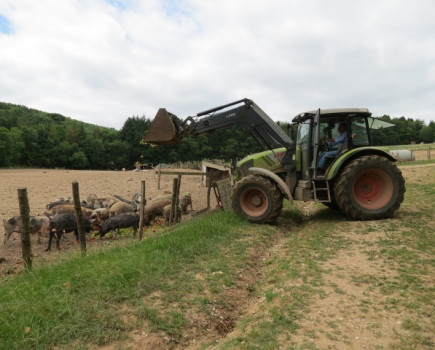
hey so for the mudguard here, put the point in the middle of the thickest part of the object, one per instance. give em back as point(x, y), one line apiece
point(346, 157)
point(280, 183)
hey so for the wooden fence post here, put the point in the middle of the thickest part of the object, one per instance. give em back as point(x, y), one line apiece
point(159, 175)
point(141, 209)
point(26, 246)
point(174, 200)
point(177, 198)
point(79, 217)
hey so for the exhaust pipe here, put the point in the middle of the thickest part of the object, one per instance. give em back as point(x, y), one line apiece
point(165, 129)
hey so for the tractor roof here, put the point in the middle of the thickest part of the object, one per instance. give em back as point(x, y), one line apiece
point(340, 113)
point(331, 112)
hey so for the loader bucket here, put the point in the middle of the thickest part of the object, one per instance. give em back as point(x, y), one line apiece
point(163, 129)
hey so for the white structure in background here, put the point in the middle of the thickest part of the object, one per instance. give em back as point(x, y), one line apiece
point(403, 155)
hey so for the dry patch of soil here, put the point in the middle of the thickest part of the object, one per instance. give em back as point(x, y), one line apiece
point(46, 185)
point(350, 311)
point(423, 154)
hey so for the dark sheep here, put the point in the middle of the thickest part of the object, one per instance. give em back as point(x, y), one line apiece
point(58, 202)
point(120, 221)
point(64, 223)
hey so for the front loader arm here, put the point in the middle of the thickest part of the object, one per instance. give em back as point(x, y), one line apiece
point(167, 128)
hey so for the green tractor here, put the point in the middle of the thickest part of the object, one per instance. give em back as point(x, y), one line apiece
point(360, 180)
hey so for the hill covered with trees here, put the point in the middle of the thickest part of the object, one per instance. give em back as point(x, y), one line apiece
point(32, 138)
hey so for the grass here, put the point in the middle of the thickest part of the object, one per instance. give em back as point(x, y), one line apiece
point(416, 162)
point(230, 284)
point(415, 147)
point(77, 300)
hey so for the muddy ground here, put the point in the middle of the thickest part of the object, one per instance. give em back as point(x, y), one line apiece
point(47, 185)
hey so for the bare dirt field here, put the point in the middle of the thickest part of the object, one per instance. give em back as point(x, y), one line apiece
point(47, 185)
point(423, 154)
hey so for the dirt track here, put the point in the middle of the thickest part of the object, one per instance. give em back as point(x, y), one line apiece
point(44, 186)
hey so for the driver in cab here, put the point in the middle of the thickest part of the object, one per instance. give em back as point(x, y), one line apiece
point(340, 140)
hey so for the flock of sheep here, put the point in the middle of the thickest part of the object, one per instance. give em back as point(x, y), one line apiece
point(102, 214)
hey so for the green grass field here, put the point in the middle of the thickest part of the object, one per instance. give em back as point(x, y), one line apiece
point(415, 147)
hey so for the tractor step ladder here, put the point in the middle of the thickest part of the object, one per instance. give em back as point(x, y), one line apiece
point(321, 191)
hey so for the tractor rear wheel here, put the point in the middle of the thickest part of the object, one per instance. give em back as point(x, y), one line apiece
point(370, 188)
point(332, 205)
point(256, 199)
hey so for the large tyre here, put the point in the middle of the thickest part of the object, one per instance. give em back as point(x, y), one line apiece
point(256, 199)
point(332, 205)
point(370, 188)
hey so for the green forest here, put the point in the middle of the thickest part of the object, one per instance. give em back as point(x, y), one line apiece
point(32, 138)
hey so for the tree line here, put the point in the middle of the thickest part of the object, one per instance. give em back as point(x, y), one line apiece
point(405, 131)
point(32, 138)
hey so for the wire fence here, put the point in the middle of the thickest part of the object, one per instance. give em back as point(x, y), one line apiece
point(81, 224)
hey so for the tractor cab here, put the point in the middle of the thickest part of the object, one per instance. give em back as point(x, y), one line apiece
point(317, 131)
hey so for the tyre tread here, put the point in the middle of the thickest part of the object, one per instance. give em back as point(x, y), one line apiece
point(275, 195)
point(342, 185)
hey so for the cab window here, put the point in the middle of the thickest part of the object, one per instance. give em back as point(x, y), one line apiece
point(359, 132)
point(304, 136)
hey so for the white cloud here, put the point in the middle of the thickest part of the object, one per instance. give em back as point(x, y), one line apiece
point(104, 61)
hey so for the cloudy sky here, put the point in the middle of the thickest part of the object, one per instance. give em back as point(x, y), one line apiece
point(102, 61)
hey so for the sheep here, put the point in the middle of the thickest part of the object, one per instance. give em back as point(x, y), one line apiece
point(157, 207)
point(132, 203)
point(68, 209)
point(64, 223)
point(166, 196)
point(137, 200)
point(185, 201)
point(123, 220)
point(64, 201)
point(154, 209)
point(58, 202)
point(100, 214)
point(104, 202)
point(119, 208)
point(167, 213)
point(38, 224)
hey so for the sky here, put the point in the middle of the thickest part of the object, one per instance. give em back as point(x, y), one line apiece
point(103, 61)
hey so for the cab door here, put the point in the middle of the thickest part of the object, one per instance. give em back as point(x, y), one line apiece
point(316, 141)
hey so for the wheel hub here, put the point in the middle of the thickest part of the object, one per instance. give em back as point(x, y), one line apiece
point(254, 202)
point(373, 189)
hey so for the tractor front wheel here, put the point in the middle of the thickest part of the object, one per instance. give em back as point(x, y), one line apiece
point(256, 199)
point(370, 188)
